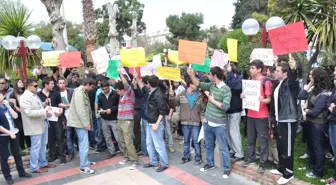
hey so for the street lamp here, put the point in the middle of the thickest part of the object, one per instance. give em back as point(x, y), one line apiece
point(250, 28)
point(21, 46)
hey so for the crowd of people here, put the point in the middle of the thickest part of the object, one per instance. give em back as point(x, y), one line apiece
point(134, 116)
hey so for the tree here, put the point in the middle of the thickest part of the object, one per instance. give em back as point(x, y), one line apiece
point(57, 22)
point(244, 53)
point(89, 28)
point(124, 20)
point(14, 18)
point(244, 10)
point(235, 34)
point(44, 31)
point(214, 35)
point(187, 26)
point(319, 19)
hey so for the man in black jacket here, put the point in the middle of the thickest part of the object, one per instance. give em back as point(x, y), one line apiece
point(108, 102)
point(157, 108)
point(284, 114)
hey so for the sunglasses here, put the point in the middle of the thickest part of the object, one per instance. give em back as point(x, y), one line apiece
point(35, 86)
point(3, 83)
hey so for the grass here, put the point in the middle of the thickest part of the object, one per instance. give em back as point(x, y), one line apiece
point(299, 150)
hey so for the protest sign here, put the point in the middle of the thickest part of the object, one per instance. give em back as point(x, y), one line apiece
point(157, 60)
point(134, 57)
point(219, 58)
point(288, 39)
point(101, 59)
point(263, 54)
point(132, 70)
point(53, 117)
point(168, 73)
point(232, 45)
point(202, 68)
point(251, 91)
point(112, 71)
point(148, 69)
point(51, 58)
point(192, 52)
point(173, 57)
point(70, 59)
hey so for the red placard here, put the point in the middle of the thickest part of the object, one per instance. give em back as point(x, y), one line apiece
point(288, 39)
point(70, 59)
point(137, 69)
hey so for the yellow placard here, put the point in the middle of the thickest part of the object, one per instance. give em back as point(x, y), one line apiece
point(174, 57)
point(168, 73)
point(51, 58)
point(134, 57)
point(232, 45)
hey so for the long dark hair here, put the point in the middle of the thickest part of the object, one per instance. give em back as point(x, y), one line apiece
point(17, 89)
point(321, 81)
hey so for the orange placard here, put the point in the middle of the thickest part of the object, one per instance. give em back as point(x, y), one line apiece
point(70, 59)
point(192, 52)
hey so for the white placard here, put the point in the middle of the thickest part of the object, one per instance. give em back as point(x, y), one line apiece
point(264, 54)
point(52, 112)
point(201, 134)
point(219, 58)
point(251, 91)
point(101, 59)
point(157, 60)
point(148, 69)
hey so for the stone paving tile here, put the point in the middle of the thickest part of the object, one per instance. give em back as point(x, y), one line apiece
point(59, 181)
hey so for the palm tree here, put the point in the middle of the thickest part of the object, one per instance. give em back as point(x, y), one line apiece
point(89, 28)
point(319, 19)
point(14, 21)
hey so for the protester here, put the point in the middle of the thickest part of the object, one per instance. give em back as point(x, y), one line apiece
point(75, 81)
point(156, 110)
point(35, 125)
point(219, 96)
point(14, 98)
point(9, 135)
point(331, 104)
point(284, 115)
point(108, 107)
point(80, 117)
point(126, 121)
point(192, 110)
point(257, 121)
point(5, 88)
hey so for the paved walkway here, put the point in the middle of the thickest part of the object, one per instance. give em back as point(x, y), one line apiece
point(110, 172)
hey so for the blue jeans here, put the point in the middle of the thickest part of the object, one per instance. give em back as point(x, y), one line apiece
point(168, 131)
point(83, 147)
point(92, 134)
point(38, 150)
point(101, 141)
point(155, 141)
point(219, 133)
point(70, 133)
point(143, 137)
point(332, 139)
point(191, 132)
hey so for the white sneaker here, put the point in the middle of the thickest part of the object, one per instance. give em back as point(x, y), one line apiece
point(311, 175)
point(305, 156)
point(284, 181)
point(87, 170)
point(123, 162)
point(11, 158)
point(134, 166)
point(275, 172)
point(92, 163)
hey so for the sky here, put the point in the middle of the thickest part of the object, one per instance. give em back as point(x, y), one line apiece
point(216, 12)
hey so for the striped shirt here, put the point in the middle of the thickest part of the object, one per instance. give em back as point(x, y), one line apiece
point(126, 104)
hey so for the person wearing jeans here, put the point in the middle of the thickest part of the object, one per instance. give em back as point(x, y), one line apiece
point(80, 118)
point(332, 129)
point(157, 108)
point(219, 98)
point(192, 108)
point(35, 125)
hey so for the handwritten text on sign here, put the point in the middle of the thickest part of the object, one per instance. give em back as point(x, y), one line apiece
point(263, 54)
point(288, 39)
point(51, 58)
point(168, 73)
point(192, 52)
point(101, 59)
point(251, 91)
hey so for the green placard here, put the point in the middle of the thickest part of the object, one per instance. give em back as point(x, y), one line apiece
point(112, 70)
point(202, 68)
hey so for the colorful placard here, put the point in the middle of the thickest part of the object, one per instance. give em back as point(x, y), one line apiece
point(173, 57)
point(219, 58)
point(112, 71)
point(202, 68)
point(232, 45)
point(70, 59)
point(168, 73)
point(288, 39)
point(134, 57)
point(51, 58)
point(192, 52)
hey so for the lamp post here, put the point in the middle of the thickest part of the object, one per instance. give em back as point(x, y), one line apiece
point(21, 46)
point(251, 27)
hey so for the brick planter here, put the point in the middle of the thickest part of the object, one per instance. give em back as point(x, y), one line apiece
point(251, 173)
